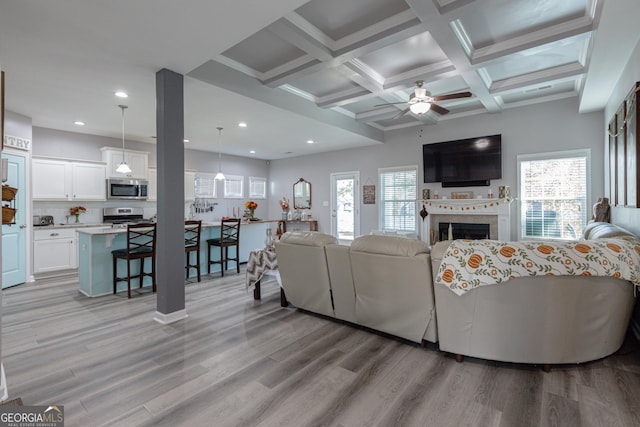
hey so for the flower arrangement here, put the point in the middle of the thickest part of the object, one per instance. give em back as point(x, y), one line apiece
point(76, 211)
point(250, 208)
point(284, 203)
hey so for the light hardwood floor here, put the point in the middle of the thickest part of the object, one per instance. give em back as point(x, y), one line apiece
point(236, 362)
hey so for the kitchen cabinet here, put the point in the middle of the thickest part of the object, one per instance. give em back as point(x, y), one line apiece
point(55, 249)
point(64, 180)
point(138, 162)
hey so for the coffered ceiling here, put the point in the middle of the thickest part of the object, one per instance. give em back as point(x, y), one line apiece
point(299, 71)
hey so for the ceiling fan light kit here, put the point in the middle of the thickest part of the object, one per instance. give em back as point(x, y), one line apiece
point(421, 101)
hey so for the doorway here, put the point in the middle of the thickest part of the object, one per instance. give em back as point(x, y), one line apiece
point(14, 236)
point(345, 206)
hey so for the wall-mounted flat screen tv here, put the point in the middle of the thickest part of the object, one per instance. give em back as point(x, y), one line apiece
point(464, 162)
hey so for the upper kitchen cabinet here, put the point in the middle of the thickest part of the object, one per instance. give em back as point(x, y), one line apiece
point(189, 185)
point(64, 180)
point(138, 162)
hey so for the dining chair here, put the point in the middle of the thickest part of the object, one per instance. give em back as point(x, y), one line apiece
point(141, 244)
point(229, 237)
point(192, 230)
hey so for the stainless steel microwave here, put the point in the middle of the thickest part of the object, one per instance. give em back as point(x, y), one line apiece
point(127, 189)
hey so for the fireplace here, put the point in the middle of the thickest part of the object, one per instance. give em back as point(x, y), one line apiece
point(493, 215)
point(463, 230)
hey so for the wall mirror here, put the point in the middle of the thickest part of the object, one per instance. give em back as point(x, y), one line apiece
point(302, 194)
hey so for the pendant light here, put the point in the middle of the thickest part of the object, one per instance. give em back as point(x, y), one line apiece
point(219, 176)
point(123, 167)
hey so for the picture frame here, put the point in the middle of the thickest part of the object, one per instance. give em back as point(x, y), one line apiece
point(369, 194)
point(462, 195)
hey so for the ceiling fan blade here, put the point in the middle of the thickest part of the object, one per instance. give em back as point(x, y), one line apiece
point(390, 103)
point(438, 109)
point(452, 96)
point(400, 114)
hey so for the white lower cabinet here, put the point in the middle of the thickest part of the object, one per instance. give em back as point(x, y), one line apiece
point(54, 250)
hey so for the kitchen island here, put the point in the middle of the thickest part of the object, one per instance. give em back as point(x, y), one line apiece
point(96, 243)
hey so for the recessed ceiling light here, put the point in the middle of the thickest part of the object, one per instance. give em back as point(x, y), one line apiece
point(122, 94)
point(242, 125)
point(186, 140)
point(311, 141)
point(252, 151)
point(79, 123)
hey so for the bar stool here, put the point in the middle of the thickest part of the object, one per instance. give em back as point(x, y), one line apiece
point(192, 244)
point(141, 244)
point(229, 236)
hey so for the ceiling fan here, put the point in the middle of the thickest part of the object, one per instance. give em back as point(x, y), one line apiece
point(421, 101)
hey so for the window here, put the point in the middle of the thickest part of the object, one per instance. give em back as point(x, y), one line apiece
point(205, 186)
point(257, 187)
point(553, 194)
point(398, 194)
point(233, 187)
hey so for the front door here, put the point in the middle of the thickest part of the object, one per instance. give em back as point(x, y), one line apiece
point(14, 236)
point(345, 206)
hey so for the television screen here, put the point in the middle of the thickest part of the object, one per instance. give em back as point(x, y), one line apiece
point(464, 162)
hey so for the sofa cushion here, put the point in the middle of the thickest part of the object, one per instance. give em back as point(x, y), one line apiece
point(308, 238)
point(389, 245)
point(601, 230)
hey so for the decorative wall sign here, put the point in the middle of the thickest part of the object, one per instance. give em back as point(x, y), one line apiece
point(369, 194)
point(17, 142)
point(624, 173)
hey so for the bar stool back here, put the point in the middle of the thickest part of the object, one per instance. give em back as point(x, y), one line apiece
point(229, 236)
point(192, 230)
point(141, 244)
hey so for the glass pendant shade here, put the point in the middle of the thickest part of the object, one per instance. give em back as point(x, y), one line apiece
point(219, 176)
point(123, 167)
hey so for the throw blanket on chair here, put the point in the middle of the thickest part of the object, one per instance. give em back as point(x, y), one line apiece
point(467, 264)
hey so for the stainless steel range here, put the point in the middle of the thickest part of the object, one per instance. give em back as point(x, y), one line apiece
point(120, 217)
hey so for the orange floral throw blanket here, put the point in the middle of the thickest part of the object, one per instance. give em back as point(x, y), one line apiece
point(467, 264)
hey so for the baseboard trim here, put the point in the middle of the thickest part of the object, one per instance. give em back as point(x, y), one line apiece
point(167, 319)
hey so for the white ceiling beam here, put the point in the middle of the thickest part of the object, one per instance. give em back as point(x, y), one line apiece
point(342, 98)
point(559, 73)
point(359, 47)
point(377, 114)
point(456, 5)
point(442, 33)
point(300, 39)
point(533, 39)
point(431, 72)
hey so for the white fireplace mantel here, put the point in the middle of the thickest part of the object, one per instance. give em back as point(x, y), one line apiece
point(500, 208)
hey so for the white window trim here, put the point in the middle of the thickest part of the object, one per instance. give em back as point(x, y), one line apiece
point(255, 180)
point(583, 152)
point(228, 179)
point(213, 184)
point(379, 192)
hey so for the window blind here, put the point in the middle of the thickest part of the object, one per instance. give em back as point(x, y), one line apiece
point(553, 195)
point(398, 194)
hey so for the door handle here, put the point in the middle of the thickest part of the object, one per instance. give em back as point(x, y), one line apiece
point(54, 234)
point(23, 225)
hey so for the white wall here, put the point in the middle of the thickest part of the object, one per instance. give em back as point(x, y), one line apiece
point(546, 127)
point(628, 218)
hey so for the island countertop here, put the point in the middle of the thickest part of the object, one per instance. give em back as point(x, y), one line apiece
point(95, 244)
point(102, 229)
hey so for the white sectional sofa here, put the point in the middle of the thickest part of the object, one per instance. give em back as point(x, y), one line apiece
point(380, 282)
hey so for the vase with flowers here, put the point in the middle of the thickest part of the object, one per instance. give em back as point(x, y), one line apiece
point(284, 205)
point(76, 211)
point(250, 208)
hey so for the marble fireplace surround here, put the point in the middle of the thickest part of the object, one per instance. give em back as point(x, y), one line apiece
point(495, 212)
